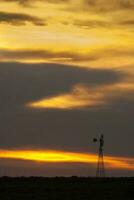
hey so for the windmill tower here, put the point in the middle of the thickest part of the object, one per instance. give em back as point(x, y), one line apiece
point(100, 172)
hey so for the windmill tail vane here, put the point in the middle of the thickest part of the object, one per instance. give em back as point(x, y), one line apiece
point(95, 140)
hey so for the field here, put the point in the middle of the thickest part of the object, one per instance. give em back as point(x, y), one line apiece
point(61, 188)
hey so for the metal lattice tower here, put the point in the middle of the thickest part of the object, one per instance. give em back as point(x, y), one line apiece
point(100, 172)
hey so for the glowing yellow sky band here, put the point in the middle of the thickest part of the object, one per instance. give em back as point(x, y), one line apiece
point(88, 37)
point(49, 156)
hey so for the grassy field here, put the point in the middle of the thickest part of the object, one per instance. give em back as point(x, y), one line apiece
point(72, 188)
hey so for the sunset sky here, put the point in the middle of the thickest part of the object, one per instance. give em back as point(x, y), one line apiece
point(66, 76)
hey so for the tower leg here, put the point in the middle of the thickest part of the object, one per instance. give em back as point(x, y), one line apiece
point(100, 172)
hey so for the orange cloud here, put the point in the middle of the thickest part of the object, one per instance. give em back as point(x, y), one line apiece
point(82, 96)
point(50, 156)
point(79, 97)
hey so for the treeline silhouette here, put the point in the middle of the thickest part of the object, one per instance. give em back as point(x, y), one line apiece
point(61, 188)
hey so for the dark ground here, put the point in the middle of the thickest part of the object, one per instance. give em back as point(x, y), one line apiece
point(72, 188)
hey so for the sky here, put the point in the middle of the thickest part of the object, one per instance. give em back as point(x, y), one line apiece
point(66, 76)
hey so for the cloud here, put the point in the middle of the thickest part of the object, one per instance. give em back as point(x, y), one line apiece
point(96, 6)
point(35, 81)
point(20, 19)
point(28, 2)
point(127, 22)
point(29, 55)
point(85, 23)
point(8, 55)
point(111, 5)
point(85, 97)
point(79, 97)
point(50, 156)
point(99, 5)
point(91, 23)
point(26, 83)
point(21, 2)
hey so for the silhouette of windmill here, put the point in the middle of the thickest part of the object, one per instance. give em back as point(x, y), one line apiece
point(100, 172)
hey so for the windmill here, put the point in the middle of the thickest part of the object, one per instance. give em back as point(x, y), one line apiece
point(100, 172)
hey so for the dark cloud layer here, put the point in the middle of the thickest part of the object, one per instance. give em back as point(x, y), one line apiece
point(53, 129)
point(72, 130)
point(26, 82)
point(19, 19)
